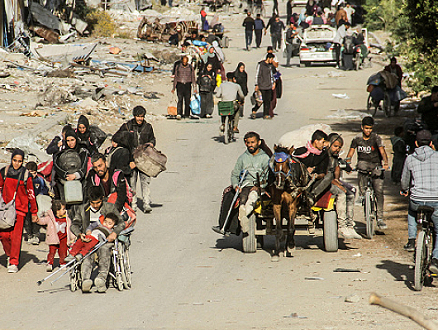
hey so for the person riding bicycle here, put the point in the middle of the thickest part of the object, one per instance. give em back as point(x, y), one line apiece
point(229, 91)
point(344, 192)
point(370, 153)
point(420, 179)
point(256, 162)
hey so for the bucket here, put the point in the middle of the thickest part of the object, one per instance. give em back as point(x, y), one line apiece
point(73, 192)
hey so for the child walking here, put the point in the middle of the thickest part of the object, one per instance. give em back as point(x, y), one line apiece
point(58, 235)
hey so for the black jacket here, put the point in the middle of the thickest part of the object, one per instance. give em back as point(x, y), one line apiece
point(140, 134)
point(320, 162)
point(61, 172)
point(119, 158)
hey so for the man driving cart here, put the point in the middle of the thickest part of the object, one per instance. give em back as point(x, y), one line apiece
point(254, 163)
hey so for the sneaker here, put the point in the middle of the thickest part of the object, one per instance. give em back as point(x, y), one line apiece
point(222, 128)
point(147, 208)
point(253, 116)
point(35, 240)
point(49, 268)
point(208, 116)
point(410, 245)
point(69, 258)
point(353, 233)
point(344, 232)
point(381, 224)
point(178, 117)
point(100, 284)
point(434, 266)
point(12, 268)
point(86, 286)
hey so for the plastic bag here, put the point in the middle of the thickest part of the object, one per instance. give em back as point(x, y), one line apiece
point(195, 104)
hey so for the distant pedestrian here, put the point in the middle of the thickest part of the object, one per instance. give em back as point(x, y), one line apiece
point(204, 23)
point(341, 16)
point(207, 84)
point(289, 5)
point(291, 42)
point(275, 8)
point(338, 41)
point(248, 23)
point(396, 69)
point(259, 25)
point(184, 78)
point(264, 81)
point(277, 28)
point(350, 11)
point(242, 80)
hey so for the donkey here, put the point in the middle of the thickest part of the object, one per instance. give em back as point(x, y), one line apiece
point(291, 179)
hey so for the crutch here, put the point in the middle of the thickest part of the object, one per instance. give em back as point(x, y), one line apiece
point(80, 261)
point(219, 230)
point(57, 271)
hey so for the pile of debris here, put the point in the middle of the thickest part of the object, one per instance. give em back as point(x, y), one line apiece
point(156, 31)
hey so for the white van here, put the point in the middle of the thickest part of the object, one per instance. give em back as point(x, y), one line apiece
point(317, 45)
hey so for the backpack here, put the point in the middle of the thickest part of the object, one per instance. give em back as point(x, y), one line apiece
point(348, 45)
point(205, 84)
point(129, 192)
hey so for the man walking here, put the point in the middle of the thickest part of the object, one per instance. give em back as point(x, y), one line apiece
point(277, 27)
point(339, 40)
point(419, 172)
point(184, 78)
point(259, 25)
point(248, 23)
point(264, 81)
point(141, 133)
point(291, 42)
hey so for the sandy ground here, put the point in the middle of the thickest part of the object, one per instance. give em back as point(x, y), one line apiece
point(187, 277)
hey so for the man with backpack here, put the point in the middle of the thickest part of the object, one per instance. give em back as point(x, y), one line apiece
point(111, 181)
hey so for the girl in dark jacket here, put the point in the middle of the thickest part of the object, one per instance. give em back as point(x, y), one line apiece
point(73, 146)
point(207, 84)
point(241, 79)
point(118, 155)
point(10, 176)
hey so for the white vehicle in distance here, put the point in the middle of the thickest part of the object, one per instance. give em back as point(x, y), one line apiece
point(317, 45)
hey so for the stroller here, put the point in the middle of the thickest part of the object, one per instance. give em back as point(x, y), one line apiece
point(383, 86)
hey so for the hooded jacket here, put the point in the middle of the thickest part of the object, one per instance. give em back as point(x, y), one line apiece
point(420, 171)
point(264, 77)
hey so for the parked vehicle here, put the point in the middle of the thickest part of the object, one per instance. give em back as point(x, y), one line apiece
point(317, 45)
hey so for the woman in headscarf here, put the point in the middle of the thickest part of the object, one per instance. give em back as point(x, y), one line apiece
point(15, 178)
point(207, 84)
point(118, 155)
point(70, 163)
point(84, 135)
point(241, 79)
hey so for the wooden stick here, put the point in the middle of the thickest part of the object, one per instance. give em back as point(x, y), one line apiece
point(407, 311)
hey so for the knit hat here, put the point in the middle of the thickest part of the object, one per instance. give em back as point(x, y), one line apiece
point(17, 152)
point(139, 111)
point(424, 136)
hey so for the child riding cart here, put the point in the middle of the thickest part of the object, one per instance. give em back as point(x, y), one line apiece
point(383, 86)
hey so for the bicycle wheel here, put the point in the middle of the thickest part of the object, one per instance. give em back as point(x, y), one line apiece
point(387, 104)
point(227, 129)
point(421, 253)
point(371, 107)
point(369, 217)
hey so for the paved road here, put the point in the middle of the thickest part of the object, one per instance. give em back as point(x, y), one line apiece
point(188, 277)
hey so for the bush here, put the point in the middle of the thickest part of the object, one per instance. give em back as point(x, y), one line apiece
point(102, 24)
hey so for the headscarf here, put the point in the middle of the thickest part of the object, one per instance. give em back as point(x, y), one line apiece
point(11, 170)
point(241, 78)
point(310, 150)
point(73, 134)
point(122, 138)
point(85, 136)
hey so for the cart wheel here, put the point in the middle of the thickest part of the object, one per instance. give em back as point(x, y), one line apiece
point(371, 107)
point(421, 253)
point(369, 215)
point(125, 267)
point(387, 104)
point(249, 241)
point(330, 232)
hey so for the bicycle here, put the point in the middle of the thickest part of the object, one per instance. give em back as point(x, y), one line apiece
point(424, 248)
point(370, 202)
point(228, 109)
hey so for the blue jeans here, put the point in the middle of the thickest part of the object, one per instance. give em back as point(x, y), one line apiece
point(248, 38)
point(412, 223)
